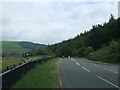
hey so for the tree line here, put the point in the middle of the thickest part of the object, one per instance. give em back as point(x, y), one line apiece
point(97, 37)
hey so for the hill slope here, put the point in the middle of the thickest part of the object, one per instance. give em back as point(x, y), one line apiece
point(17, 48)
point(100, 36)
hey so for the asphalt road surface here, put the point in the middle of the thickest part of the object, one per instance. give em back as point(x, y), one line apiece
point(79, 73)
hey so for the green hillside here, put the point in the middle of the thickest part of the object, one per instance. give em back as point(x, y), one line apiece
point(94, 41)
point(107, 54)
point(17, 48)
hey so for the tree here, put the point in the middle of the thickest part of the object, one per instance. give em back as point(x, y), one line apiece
point(111, 18)
point(95, 38)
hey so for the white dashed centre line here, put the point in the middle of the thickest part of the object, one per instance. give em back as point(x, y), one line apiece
point(85, 69)
point(116, 72)
point(77, 63)
point(108, 82)
point(73, 60)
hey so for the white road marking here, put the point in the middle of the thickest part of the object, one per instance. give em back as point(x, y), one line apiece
point(85, 69)
point(116, 72)
point(77, 63)
point(108, 82)
point(60, 83)
point(72, 60)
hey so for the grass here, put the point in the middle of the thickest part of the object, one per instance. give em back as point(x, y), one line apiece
point(10, 61)
point(45, 75)
point(12, 47)
point(33, 58)
point(102, 55)
point(17, 48)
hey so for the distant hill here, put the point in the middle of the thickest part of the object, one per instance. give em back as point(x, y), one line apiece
point(17, 48)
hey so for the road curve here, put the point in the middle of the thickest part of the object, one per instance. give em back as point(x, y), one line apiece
point(79, 73)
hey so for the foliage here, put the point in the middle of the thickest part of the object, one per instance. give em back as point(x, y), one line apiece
point(11, 61)
point(108, 54)
point(12, 48)
point(30, 45)
point(114, 51)
point(96, 38)
point(44, 76)
point(38, 52)
point(43, 51)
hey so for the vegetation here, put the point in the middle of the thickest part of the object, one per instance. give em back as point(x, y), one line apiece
point(30, 45)
point(12, 48)
point(40, 51)
point(9, 62)
point(102, 41)
point(106, 35)
point(15, 53)
point(45, 75)
point(108, 54)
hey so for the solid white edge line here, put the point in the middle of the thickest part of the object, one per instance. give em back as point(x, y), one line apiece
point(108, 82)
point(85, 69)
point(77, 63)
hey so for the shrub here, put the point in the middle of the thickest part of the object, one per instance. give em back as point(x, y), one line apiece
point(114, 51)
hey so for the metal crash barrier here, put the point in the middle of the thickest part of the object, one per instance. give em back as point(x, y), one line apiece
point(11, 76)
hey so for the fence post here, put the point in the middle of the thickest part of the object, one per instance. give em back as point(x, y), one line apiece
point(7, 67)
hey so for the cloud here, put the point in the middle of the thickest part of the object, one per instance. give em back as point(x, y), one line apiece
point(59, 0)
point(52, 22)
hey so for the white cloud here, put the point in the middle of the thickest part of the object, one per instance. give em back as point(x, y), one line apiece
point(52, 22)
point(59, 0)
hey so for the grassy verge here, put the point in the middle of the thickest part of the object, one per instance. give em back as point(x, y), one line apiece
point(45, 75)
point(10, 61)
point(103, 55)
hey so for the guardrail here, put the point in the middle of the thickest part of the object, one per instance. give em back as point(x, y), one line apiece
point(11, 76)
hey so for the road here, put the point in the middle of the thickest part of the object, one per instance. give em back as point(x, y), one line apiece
point(79, 73)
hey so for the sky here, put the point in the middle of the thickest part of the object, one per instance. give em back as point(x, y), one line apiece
point(52, 22)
